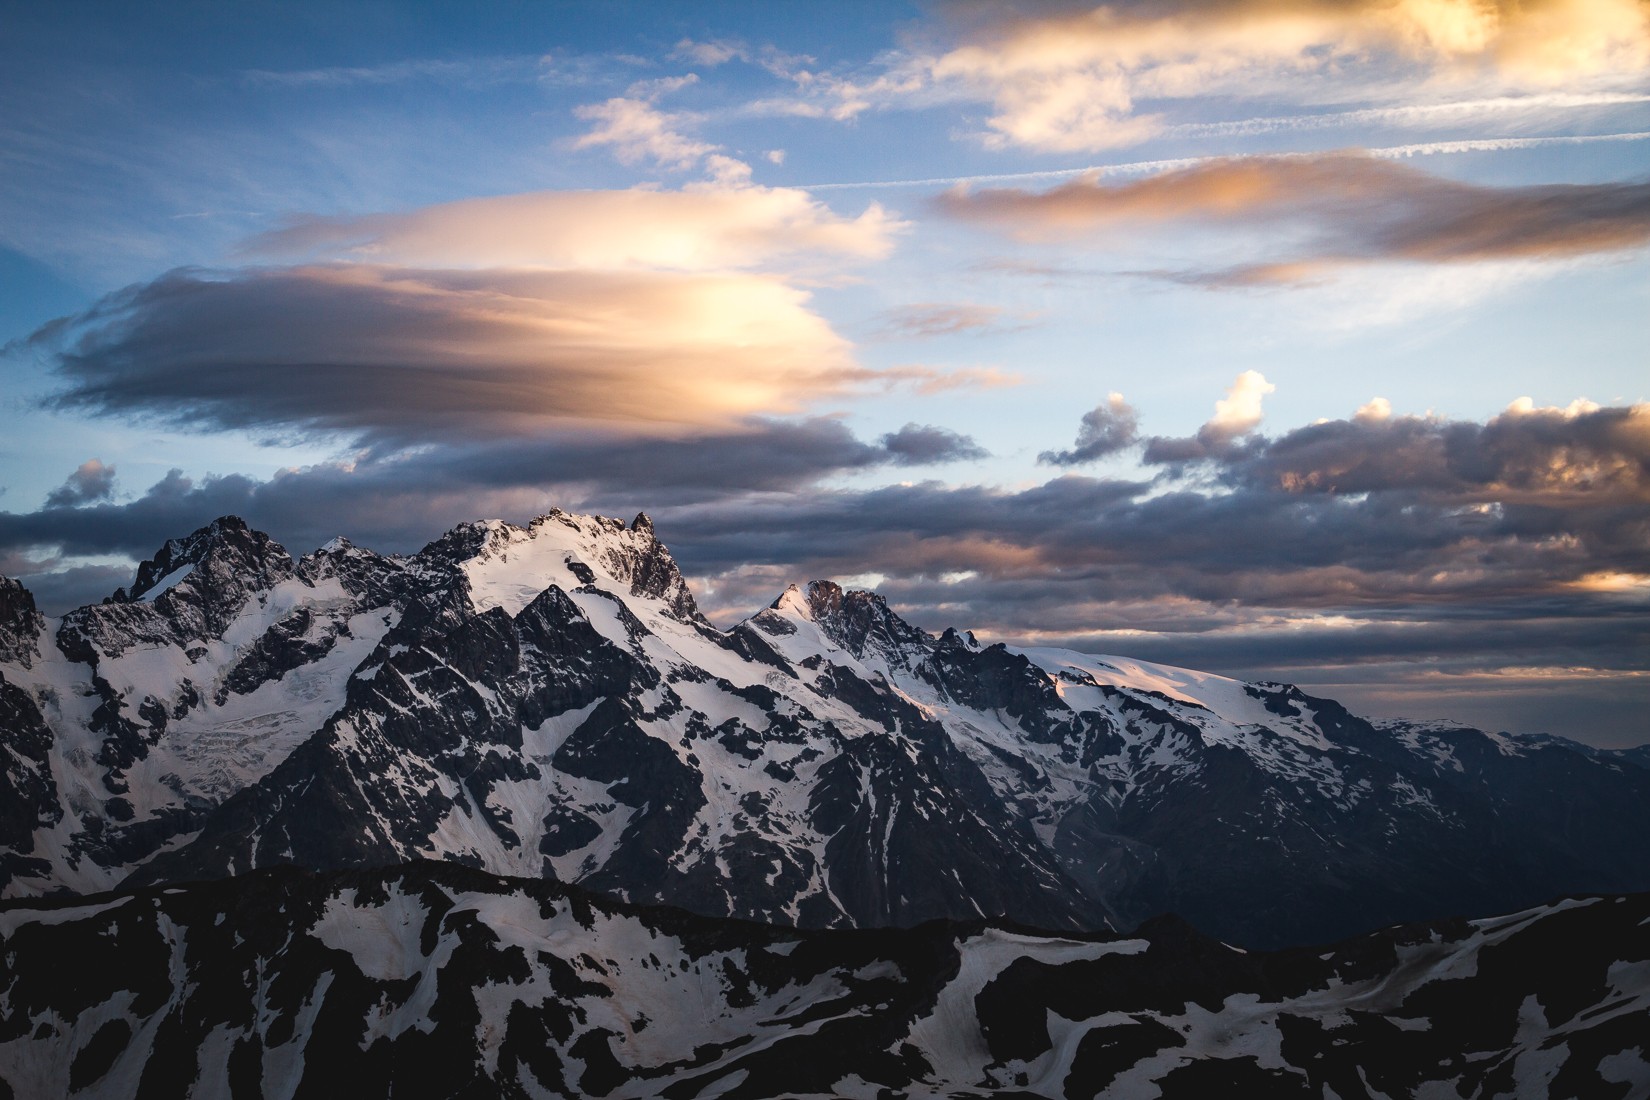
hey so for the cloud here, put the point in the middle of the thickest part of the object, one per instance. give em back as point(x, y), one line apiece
point(1094, 172)
point(1077, 554)
point(91, 481)
point(470, 72)
point(758, 456)
point(398, 502)
point(624, 311)
point(61, 589)
point(924, 444)
point(709, 54)
point(1459, 112)
point(638, 131)
point(1384, 542)
point(1239, 411)
point(1332, 209)
point(1395, 542)
point(1072, 80)
point(1236, 414)
point(402, 354)
point(927, 380)
point(1525, 456)
point(1105, 430)
point(701, 228)
point(926, 319)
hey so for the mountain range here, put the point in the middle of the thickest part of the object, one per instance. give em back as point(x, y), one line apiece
point(547, 701)
point(546, 704)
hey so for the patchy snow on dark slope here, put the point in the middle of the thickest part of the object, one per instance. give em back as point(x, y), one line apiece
point(437, 980)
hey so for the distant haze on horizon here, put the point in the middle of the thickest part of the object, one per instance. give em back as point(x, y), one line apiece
point(1299, 341)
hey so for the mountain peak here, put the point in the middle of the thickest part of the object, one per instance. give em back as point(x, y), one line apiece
point(860, 622)
point(249, 553)
point(793, 601)
point(507, 565)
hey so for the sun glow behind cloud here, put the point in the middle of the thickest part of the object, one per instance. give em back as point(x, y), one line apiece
point(619, 310)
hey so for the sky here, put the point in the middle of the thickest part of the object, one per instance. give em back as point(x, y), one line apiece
point(1296, 340)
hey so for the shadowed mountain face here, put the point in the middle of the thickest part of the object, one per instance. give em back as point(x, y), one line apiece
point(436, 980)
point(547, 702)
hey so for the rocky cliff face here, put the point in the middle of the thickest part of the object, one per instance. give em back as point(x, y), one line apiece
point(20, 624)
point(547, 702)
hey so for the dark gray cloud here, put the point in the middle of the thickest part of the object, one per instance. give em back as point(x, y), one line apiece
point(764, 455)
point(1584, 452)
point(398, 501)
point(59, 589)
point(92, 480)
point(1502, 553)
point(1104, 430)
point(924, 445)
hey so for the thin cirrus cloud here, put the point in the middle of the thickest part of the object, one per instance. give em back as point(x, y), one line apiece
point(1335, 210)
point(1073, 79)
point(626, 311)
point(927, 319)
point(637, 131)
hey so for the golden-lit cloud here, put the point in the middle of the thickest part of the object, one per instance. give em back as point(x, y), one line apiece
point(1239, 411)
point(626, 311)
point(406, 354)
point(1074, 80)
point(707, 227)
point(1331, 209)
point(1236, 415)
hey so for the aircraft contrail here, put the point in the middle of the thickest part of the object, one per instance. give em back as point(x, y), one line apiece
point(1140, 167)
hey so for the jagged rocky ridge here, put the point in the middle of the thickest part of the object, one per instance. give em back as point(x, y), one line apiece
point(436, 980)
point(546, 701)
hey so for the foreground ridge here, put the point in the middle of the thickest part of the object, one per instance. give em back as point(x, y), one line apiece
point(546, 701)
point(436, 980)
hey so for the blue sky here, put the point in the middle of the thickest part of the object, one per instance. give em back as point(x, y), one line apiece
point(1299, 340)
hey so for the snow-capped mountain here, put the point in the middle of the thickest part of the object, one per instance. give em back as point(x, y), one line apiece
point(547, 702)
point(436, 980)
